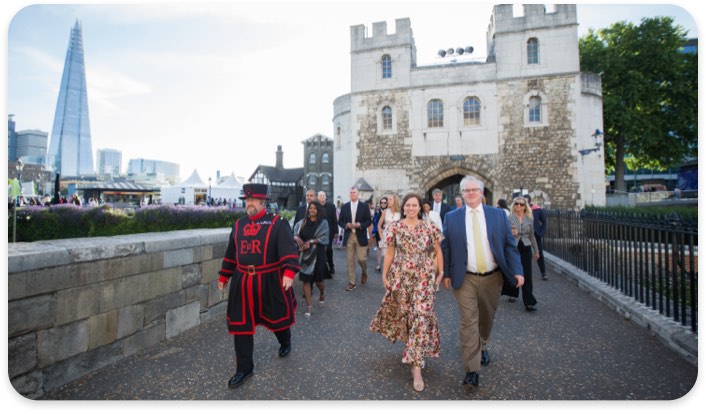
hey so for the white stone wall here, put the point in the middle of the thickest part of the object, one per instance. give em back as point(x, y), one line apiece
point(344, 152)
point(590, 166)
point(505, 150)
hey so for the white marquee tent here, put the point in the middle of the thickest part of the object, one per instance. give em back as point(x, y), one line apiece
point(230, 188)
point(187, 192)
point(194, 190)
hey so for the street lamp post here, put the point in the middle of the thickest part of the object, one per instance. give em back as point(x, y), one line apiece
point(208, 200)
point(19, 165)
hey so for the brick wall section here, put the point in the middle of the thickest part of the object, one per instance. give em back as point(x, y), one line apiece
point(384, 150)
point(77, 305)
point(533, 158)
point(538, 157)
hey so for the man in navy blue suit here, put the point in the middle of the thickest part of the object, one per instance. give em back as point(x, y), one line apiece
point(303, 209)
point(355, 220)
point(439, 206)
point(479, 251)
point(540, 226)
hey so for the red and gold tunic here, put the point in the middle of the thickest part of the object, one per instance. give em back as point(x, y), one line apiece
point(261, 251)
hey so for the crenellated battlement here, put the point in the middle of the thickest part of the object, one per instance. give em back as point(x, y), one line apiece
point(503, 20)
point(535, 16)
point(380, 38)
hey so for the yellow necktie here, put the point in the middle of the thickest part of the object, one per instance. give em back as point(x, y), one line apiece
point(478, 243)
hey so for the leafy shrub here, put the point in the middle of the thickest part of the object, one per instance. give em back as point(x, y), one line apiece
point(66, 221)
point(687, 214)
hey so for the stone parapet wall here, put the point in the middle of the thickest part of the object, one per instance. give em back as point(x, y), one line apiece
point(77, 305)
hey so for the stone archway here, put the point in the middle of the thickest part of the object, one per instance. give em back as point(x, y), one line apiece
point(448, 180)
point(541, 198)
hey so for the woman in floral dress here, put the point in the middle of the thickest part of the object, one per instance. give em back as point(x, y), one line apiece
point(411, 276)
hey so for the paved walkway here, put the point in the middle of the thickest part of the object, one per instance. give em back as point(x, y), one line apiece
point(572, 348)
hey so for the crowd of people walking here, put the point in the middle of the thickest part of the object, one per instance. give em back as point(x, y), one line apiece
point(477, 251)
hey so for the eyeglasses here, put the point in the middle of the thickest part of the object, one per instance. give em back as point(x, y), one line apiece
point(519, 204)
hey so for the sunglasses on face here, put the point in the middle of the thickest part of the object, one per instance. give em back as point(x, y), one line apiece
point(519, 204)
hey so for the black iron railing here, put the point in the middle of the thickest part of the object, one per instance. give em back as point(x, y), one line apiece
point(653, 260)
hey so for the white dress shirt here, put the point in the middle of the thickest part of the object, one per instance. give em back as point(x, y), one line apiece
point(437, 207)
point(435, 218)
point(354, 210)
point(489, 259)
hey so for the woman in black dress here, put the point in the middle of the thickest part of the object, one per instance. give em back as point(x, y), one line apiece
point(522, 227)
point(311, 236)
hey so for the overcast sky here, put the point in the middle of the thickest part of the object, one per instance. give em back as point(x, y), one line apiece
point(217, 86)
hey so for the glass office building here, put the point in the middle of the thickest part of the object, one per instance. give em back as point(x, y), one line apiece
point(109, 162)
point(70, 151)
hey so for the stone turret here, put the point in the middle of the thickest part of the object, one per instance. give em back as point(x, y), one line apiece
point(367, 55)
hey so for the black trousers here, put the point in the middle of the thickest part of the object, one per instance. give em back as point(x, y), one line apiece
point(245, 346)
point(329, 253)
point(540, 261)
point(526, 258)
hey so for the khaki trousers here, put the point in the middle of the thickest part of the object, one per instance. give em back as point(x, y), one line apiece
point(477, 300)
point(356, 252)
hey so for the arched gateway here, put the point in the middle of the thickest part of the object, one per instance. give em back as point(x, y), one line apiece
point(449, 182)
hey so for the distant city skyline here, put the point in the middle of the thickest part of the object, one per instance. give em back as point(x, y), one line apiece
point(217, 86)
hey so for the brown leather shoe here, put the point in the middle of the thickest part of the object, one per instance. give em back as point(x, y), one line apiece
point(363, 278)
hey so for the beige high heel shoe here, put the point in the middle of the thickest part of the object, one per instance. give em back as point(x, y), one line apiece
point(417, 383)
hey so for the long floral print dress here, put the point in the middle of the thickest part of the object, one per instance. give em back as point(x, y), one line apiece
point(407, 310)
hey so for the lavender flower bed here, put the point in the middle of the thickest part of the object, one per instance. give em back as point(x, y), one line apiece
point(65, 221)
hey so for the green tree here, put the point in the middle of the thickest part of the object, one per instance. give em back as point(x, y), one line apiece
point(650, 93)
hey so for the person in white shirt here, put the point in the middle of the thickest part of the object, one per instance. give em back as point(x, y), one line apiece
point(355, 219)
point(389, 216)
point(439, 206)
point(431, 215)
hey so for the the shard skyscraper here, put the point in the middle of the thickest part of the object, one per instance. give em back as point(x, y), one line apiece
point(70, 150)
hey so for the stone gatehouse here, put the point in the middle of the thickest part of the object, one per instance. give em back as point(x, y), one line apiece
point(517, 119)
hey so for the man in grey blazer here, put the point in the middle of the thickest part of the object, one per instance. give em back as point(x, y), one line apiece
point(479, 250)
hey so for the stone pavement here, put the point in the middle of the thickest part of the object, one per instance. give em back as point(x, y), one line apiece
point(573, 348)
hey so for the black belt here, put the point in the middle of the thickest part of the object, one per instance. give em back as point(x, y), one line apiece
point(482, 274)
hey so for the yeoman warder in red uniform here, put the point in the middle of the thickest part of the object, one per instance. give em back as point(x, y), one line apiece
point(260, 263)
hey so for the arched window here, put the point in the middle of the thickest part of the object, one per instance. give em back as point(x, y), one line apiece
point(535, 109)
point(471, 111)
point(387, 118)
point(532, 51)
point(325, 179)
point(435, 113)
point(312, 180)
point(312, 158)
point(386, 67)
point(324, 158)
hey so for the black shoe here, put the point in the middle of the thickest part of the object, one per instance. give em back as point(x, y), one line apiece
point(332, 271)
point(544, 277)
point(284, 350)
point(530, 309)
point(238, 379)
point(471, 381)
point(484, 358)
